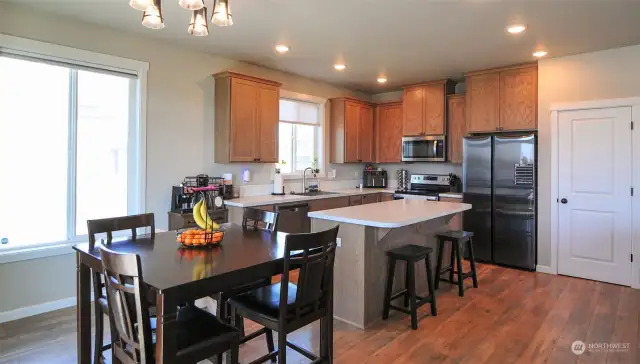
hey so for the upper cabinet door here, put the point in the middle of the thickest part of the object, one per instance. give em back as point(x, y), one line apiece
point(456, 128)
point(483, 101)
point(268, 119)
point(243, 133)
point(351, 130)
point(389, 134)
point(365, 135)
point(413, 106)
point(434, 112)
point(519, 99)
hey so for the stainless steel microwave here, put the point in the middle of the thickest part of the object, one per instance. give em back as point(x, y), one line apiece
point(429, 148)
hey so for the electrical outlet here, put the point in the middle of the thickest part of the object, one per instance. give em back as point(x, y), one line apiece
point(339, 242)
point(357, 174)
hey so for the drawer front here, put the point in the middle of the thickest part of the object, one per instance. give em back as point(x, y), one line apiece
point(355, 200)
point(371, 198)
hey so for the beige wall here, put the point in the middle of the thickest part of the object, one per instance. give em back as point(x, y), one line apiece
point(179, 128)
point(606, 74)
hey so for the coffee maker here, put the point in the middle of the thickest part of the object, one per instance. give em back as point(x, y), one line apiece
point(183, 197)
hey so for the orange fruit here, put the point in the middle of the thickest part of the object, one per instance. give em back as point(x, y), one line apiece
point(198, 241)
point(190, 232)
point(188, 241)
point(218, 234)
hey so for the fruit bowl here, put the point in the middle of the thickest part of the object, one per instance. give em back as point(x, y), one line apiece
point(196, 238)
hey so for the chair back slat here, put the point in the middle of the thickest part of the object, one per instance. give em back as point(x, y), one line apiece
point(111, 225)
point(128, 308)
point(260, 219)
point(314, 254)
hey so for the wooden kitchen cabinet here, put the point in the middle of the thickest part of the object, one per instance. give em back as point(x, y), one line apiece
point(483, 101)
point(328, 203)
point(370, 198)
point(388, 132)
point(386, 197)
point(351, 131)
point(455, 127)
point(425, 109)
point(246, 118)
point(504, 99)
point(519, 99)
point(355, 200)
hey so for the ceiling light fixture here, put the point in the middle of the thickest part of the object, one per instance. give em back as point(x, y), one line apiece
point(152, 17)
point(539, 54)
point(339, 66)
point(198, 25)
point(382, 79)
point(282, 48)
point(221, 13)
point(516, 28)
point(141, 5)
point(191, 4)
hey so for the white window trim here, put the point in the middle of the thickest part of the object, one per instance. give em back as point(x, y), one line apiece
point(54, 52)
point(323, 158)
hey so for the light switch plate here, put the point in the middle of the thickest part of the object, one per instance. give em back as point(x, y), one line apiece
point(339, 242)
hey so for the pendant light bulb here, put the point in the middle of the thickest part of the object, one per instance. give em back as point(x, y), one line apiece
point(152, 17)
point(141, 5)
point(191, 4)
point(198, 26)
point(222, 13)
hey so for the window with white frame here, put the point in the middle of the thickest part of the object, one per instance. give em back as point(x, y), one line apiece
point(69, 149)
point(300, 135)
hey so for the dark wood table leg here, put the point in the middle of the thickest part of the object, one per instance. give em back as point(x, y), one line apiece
point(326, 331)
point(83, 314)
point(166, 330)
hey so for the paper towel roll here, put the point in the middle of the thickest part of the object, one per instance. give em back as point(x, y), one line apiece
point(278, 183)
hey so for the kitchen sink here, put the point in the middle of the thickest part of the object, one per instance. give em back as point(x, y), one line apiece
point(315, 193)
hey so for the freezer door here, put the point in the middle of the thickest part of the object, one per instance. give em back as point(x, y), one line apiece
point(515, 201)
point(476, 180)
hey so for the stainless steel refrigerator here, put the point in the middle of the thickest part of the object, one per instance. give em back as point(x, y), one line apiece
point(499, 180)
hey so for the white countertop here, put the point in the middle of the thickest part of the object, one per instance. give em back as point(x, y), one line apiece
point(391, 214)
point(262, 200)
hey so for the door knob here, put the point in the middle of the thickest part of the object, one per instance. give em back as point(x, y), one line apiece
point(564, 201)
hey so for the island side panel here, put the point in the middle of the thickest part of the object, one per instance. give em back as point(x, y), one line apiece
point(379, 241)
point(348, 272)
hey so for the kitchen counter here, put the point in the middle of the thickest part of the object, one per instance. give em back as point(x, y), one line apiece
point(366, 233)
point(391, 214)
point(253, 201)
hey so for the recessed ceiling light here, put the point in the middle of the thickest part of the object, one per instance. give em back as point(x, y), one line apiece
point(281, 48)
point(539, 54)
point(382, 79)
point(339, 66)
point(516, 28)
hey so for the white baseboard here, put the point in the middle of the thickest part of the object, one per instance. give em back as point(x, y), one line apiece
point(23, 312)
point(544, 269)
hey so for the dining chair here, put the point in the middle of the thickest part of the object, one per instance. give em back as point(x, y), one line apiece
point(109, 226)
point(200, 335)
point(285, 307)
point(259, 220)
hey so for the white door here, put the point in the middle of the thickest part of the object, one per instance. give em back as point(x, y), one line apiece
point(595, 193)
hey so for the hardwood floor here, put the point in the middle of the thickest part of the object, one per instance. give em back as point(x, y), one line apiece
point(513, 317)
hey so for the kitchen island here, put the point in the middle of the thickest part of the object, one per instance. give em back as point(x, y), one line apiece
point(366, 233)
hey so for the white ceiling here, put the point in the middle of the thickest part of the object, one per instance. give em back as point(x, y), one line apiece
point(407, 40)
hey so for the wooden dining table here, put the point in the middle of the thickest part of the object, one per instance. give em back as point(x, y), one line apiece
point(181, 275)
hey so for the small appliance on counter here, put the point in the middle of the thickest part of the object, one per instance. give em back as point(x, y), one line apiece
point(372, 178)
point(403, 178)
point(425, 187)
point(189, 192)
point(227, 186)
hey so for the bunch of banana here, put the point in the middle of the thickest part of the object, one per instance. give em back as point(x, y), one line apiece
point(202, 217)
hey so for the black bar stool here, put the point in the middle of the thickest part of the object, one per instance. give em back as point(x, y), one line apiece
point(457, 239)
point(411, 254)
